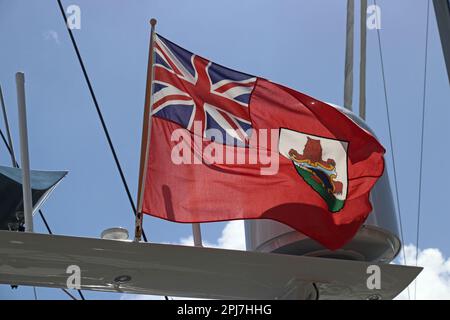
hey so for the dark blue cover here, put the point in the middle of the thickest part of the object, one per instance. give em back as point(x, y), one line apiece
point(11, 198)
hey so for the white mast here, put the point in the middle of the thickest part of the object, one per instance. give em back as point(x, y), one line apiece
point(24, 155)
point(348, 89)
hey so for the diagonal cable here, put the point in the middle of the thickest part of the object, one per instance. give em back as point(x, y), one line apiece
point(100, 114)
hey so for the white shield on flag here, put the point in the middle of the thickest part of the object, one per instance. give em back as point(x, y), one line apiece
point(321, 162)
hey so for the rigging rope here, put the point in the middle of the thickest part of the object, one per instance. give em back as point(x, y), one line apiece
point(100, 115)
point(8, 132)
point(419, 204)
point(391, 141)
point(69, 294)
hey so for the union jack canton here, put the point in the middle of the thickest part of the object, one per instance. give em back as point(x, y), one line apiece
point(189, 88)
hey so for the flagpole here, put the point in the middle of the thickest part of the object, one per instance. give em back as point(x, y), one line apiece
point(146, 134)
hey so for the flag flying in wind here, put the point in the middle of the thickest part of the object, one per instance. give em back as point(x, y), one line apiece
point(228, 145)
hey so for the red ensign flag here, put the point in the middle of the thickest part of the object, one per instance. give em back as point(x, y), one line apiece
point(227, 145)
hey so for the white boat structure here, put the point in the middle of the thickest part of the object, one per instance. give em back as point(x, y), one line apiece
point(115, 264)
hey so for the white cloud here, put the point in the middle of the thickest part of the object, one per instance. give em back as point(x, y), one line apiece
point(232, 237)
point(51, 35)
point(433, 283)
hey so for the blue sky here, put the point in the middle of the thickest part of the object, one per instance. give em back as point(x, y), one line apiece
point(296, 43)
